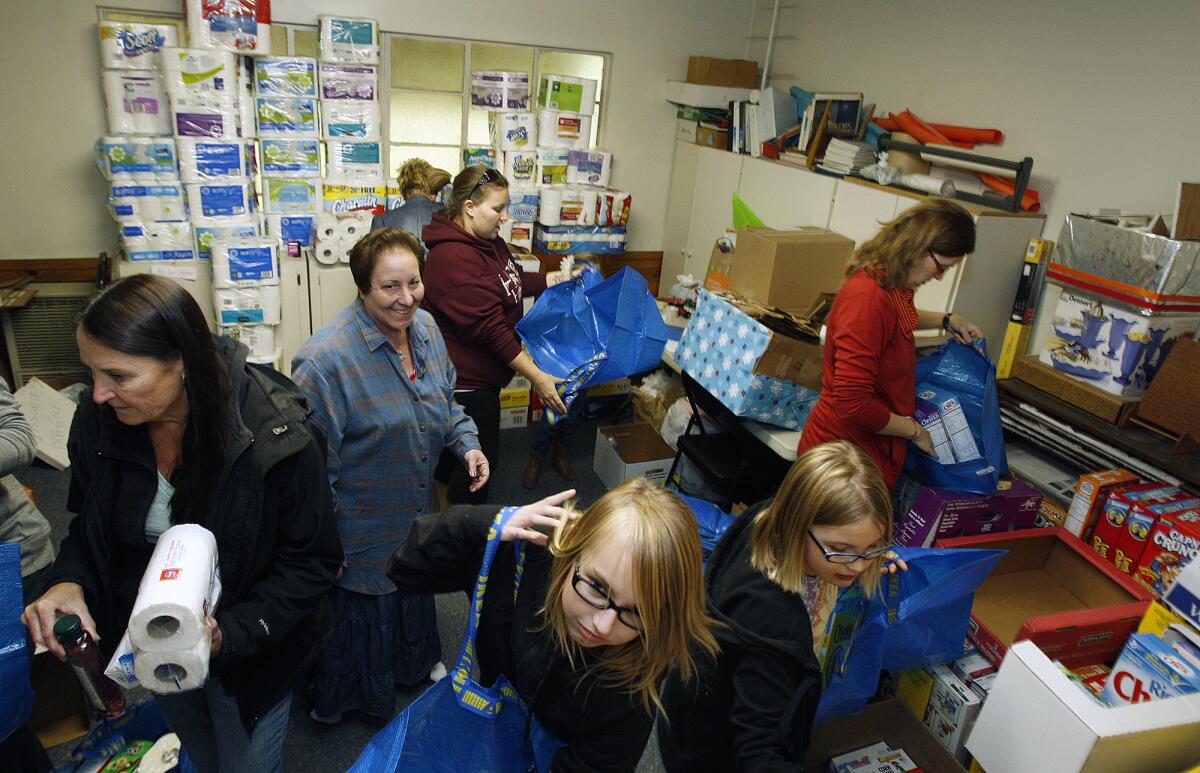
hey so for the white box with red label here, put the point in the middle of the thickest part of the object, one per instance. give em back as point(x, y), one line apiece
point(1150, 669)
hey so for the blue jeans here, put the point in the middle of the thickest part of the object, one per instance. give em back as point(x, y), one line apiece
point(563, 431)
point(211, 730)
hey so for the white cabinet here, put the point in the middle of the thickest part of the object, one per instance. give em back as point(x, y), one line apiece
point(330, 289)
point(679, 211)
point(712, 206)
point(786, 196)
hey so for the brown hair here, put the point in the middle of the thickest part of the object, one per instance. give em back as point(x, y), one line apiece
point(416, 175)
point(660, 536)
point(833, 484)
point(937, 225)
point(368, 249)
point(469, 186)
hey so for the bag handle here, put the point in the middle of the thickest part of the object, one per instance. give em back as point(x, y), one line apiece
point(472, 696)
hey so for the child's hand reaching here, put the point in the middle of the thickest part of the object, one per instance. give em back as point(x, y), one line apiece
point(892, 562)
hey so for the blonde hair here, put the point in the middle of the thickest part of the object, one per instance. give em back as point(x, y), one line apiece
point(467, 187)
point(660, 537)
point(937, 225)
point(417, 175)
point(833, 484)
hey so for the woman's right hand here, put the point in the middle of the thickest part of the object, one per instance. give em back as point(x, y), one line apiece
point(923, 441)
point(65, 598)
point(545, 512)
point(545, 385)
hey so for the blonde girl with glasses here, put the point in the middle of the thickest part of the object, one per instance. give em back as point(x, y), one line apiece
point(772, 582)
point(611, 599)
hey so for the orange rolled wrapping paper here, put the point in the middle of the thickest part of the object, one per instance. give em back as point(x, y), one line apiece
point(953, 133)
point(1029, 199)
point(913, 125)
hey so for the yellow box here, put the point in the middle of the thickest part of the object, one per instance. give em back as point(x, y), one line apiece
point(913, 688)
point(514, 398)
point(619, 386)
point(1157, 619)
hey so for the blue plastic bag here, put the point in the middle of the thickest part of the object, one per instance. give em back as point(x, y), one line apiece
point(14, 649)
point(967, 373)
point(458, 724)
point(589, 330)
point(918, 618)
point(712, 520)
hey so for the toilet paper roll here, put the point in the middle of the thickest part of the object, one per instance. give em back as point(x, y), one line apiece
point(523, 202)
point(612, 208)
point(193, 71)
point(550, 205)
point(520, 166)
point(245, 262)
point(349, 41)
point(290, 157)
point(564, 130)
point(937, 185)
point(325, 227)
point(292, 228)
point(203, 160)
point(260, 339)
point(571, 207)
point(348, 81)
point(551, 166)
point(147, 203)
point(139, 159)
point(130, 46)
point(329, 253)
point(514, 131)
point(589, 198)
point(290, 195)
point(521, 235)
point(353, 228)
point(589, 167)
point(219, 200)
point(287, 117)
point(241, 305)
point(197, 115)
point(146, 241)
point(285, 76)
point(181, 584)
point(499, 90)
point(353, 160)
point(567, 93)
point(247, 107)
point(207, 234)
point(349, 119)
point(135, 102)
point(174, 671)
point(243, 26)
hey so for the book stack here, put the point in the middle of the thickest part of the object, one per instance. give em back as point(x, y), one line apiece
point(847, 157)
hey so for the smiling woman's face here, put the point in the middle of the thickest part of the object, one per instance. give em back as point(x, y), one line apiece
point(396, 290)
point(141, 390)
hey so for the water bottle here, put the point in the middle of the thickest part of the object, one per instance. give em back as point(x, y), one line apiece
point(103, 693)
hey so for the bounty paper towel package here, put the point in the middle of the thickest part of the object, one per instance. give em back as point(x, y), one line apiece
point(191, 71)
point(146, 241)
point(589, 167)
point(567, 93)
point(499, 90)
point(348, 81)
point(354, 160)
point(551, 166)
point(520, 166)
point(523, 203)
point(241, 305)
point(350, 119)
point(953, 420)
point(286, 195)
point(131, 46)
point(291, 228)
point(349, 41)
point(209, 233)
point(180, 586)
point(287, 117)
point(138, 159)
point(290, 76)
point(219, 200)
point(513, 131)
point(242, 26)
point(135, 102)
point(197, 115)
point(245, 262)
point(290, 157)
point(206, 159)
point(147, 203)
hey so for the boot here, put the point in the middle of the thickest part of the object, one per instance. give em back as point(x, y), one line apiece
point(533, 470)
point(561, 462)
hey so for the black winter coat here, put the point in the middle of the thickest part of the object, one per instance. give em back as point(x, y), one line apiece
point(272, 517)
point(752, 709)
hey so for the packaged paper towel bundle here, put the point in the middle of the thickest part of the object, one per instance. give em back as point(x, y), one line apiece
point(612, 208)
point(287, 117)
point(138, 159)
point(242, 26)
point(193, 71)
point(523, 203)
point(567, 93)
point(291, 228)
point(290, 157)
point(349, 41)
point(130, 46)
point(245, 262)
point(351, 161)
point(135, 102)
point(572, 239)
point(260, 339)
point(552, 166)
point(550, 205)
point(499, 90)
point(564, 130)
point(147, 203)
point(484, 156)
point(350, 119)
point(198, 115)
point(520, 166)
point(206, 160)
point(143, 241)
point(209, 233)
point(219, 200)
point(241, 305)
point(348, 81)
point(521, 234)
point(290, 76)
point(513, 131)
point(247, 107)
point(335, 234)
point(589, 167)
point(567, 205)
point(291, 195)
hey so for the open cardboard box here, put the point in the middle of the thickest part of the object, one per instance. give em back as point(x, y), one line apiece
point(1036, 719)
point(889, 721)
point(1054, 590)
point(60, 710)
point(629, 451)
point(787, 269)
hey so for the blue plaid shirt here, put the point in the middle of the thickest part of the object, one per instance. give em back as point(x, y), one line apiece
point(385, 432)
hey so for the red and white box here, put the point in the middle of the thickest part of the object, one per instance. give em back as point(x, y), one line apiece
point(1110, 526)
point(1174, 541)
point(1091, 492)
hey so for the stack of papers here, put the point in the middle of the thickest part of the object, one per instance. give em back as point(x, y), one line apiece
point(847, 157)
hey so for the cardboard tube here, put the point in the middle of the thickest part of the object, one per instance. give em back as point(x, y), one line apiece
point(950, 132)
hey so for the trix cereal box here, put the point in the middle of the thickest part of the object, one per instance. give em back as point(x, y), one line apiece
point(1110, 526)
point(1090, 494)
point(1173, 542)
point(1150, 669)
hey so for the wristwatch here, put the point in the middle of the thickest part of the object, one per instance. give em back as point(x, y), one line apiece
point(946, 321)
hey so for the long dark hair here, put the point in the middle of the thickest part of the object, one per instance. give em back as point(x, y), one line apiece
point(150, 316)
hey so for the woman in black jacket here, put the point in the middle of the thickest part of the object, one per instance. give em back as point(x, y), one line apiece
point(180, 429)
point(599, 618)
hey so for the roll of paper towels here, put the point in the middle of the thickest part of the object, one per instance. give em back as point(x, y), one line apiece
point(260, 339)
point(147, 203)
point(552, 166)
point(520, 166)
point(523, 202)
point(564, 130)
point(243, 26)
point(193, 71)
point(181, 584)
point(287, 117)
point(612, 208)
point(292, 228)
point(146, 241)
point(353, 160)
point(349, 40)
point(174, 671)
point(567, 93)
point(288, 195)
point(589, 167)
point(240, 305)
point(348, 81)
point(219, 200)
point(207, 234)
point(293, 157)
point(285, 76)
point(206, 159)
point(349, 119)
point(135, 102)
point(551, 204)
point(139, 159)
point(197, 115)
point(514, 131)
point(131, 46)
point(245, 262)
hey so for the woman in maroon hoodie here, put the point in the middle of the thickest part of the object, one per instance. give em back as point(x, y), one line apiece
point(473, 288)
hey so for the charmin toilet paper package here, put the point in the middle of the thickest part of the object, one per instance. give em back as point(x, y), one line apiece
point(287, 117)
point(290, 157)
point(197, 115)
point(181, 585)
point(138, 159)
point(135, 102)
point(174, 671)
point(206, 159)
point(523, 202)
point(131, 46)
point(147, 241)
point(552, 166)
point(294, 76)
point(241, 26)
point(147, 203)
point(513, 131)
point(219, 200)
point(564, 130)
point(245, 262)
point(349, 41)
point(349, 119)
point(192, 71)
point(260, 339)
point(292, 228)
point(567, 93)
point(353, 160)
point(348, 81)
point(499, 90)
point(289, 195)
point(520, 166)
point(589, 167)
point(340, 197)
point(242, 305)
point(612, 208)
point(209, 233)
point(247, 106)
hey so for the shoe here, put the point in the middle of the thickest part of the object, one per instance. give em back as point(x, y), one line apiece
point(562, 462)
point(437, 672)
point(332, 720)
point(533, 471)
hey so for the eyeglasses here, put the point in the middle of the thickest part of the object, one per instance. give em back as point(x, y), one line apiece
point(597, 597)
point(942, 268)
point(390, 289)
point(837, 557)
point(489, 176)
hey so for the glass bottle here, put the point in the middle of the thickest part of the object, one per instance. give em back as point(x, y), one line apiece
point(103, 693)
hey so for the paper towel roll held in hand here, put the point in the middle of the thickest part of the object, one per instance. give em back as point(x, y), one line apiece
point(182, 583)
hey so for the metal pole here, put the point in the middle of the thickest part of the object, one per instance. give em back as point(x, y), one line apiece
point(770, 46)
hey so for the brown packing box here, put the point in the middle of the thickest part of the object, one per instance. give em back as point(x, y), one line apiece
point(738, 73)
point(794, 352)
point(889, 721)
point(712, 138)
point(60, 711)
point(1169, 401)
point(787, 269)
point(1103, 405)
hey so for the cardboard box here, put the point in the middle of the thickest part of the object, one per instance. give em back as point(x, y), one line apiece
point(709, 137)
point(1168, 401)
point(1037, 719)
point(1054, 590)
point(511, 418)
point(514, 398)
point(1173, 543)
point(629, 451)
point(620, 386)
point(737, 73)
point(651, 407)
point(941, 513)
point(1149, 669)
point(953, 707)
point(913, 688)
point(1091, 492)
point(1184, 596)
point(1108, 534)
point(876, 758)
point(887, 721)
point(787, 269)
point(1020, 319)
point(60, 710)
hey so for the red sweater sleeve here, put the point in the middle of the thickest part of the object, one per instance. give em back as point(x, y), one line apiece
point(468, 296)
point(857, 337)
point(532, 283)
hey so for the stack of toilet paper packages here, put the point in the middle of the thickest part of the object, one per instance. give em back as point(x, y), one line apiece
point(523, 201)
point(335, 234)
point(287, 116)
point(240, 26)
point(499, 90)
point(568, 205)
point(212, 203)
point(128, 160)
point(348, 40)
point(205, 159)
point(246, 281)
point(285, 76)
point(290, 157)
point(348, 81)
point(291, 195)
point(203, 91)
point(145, 241)
point(354, 162)
point(477, 155)
point(352, 119)
point(166, 646)
point(131, 46)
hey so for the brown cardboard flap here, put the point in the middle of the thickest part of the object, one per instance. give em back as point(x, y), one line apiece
point(1083, 580)
point(637, 443)
point(1023, 554)
point(889, 721)
point(1005, 601)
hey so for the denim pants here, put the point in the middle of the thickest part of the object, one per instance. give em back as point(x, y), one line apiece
point(211, 731)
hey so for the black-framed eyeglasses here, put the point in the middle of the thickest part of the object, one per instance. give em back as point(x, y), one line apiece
point(489, 176)
point(942, 268)
point(838, 557)
point(597, 597)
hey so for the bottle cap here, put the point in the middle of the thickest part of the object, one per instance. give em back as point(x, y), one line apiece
point(68, 627)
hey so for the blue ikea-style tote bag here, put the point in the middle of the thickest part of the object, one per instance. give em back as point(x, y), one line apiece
point(458, 725)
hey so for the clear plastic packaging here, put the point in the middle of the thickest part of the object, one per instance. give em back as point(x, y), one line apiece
point(138, 159)
point(241, 26)
point(245, 262)
point(219, 200)
point(192, 71)
point(349, 40)
point(197, 115)
point(348, 81)
point(144, 241)
point(208, 233)
point(131, 46)
point(289, 195)
point(147, 203)
point(354, 160)
point(287, 117)
point(350, 119)
point(135, 102)
point(290, 157)
point(294, 76)
point(206, 159)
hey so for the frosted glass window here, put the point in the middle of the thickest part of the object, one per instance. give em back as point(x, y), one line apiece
point(421, 116)
point(485, 56)
point(306, 42)
point(478, 132)
point(279, 40)
point(432, 65)
point(147, 18)
point(446, 158)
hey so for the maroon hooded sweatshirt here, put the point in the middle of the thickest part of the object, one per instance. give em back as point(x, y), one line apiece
point(473, 289)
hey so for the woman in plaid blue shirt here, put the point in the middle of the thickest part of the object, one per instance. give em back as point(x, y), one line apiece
point(382, 386)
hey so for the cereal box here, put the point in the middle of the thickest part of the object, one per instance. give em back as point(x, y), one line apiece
point(1173, 542)
point(1090, 494)
point(1110, 526)
point(1150, 669)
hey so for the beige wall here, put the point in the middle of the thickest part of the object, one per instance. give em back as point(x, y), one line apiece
point(52, 204)
point(1102, 94)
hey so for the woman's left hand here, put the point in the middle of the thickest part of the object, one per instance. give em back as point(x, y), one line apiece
point(214, 629)
point(892, 562)
point(964, 330)
point(478, 468)
point(545, 513)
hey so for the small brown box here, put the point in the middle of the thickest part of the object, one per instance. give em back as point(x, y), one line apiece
point(1169, 401)
point(1103, 405)
point(738, 73)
